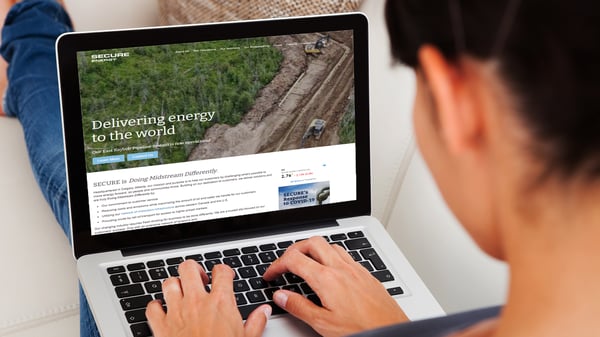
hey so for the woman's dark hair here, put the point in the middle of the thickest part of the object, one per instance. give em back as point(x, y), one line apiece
point(548, 53)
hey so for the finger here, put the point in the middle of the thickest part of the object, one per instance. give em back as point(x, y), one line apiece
point(156, 316)
point(257, 321)
point(190, 274)
point(222, 279)
point(343, 254)
point(296, 262)
point(315, 248)
point(297, 305)
point(318, 249)
point(172, 291)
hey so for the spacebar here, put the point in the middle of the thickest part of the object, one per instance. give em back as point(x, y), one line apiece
point(245, 310)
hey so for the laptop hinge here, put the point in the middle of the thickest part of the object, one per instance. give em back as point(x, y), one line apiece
point(132, 251)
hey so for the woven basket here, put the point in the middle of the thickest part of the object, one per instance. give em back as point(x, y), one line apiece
point(197, 11)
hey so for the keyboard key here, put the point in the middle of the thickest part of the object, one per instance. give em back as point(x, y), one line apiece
point(395, 291)
point(174, 260)
point(240, 299)
point(158, 273)
point(261, 269)
point(293, 288)
point(355, 255)
point(115, 269)
point(210, 264)
point(232, 252)
point(195, 257)
point(356, 244)
point(339, 243)
point(267, 257)
point(284, 244)
point(367, 265)
point(136, 266)
point(258, 283)
point(240, 286)
point(293, 278)
point(213, 255)
point(135, 316)
point(250, 259)
point(269, 293)
point(267, 247)
point(357, 234)
point(250, 250)
point(247, 272)
point(383, 275)
point(255, 296)
point(233, 262)
point(139, 276)
point(371, 255)
point(135, 302)
point(153, 287)
point(280, 252)
point(338, 237)
point(141, 330)
point(129, 290)
point(280, 281)
point(173, 271)
point(156, 264)
point(119, 279)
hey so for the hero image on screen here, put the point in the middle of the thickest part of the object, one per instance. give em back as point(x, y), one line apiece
point(168, 104)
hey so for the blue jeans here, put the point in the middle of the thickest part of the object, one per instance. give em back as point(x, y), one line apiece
point(28, 38)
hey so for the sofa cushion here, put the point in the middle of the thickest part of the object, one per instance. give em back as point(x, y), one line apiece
point(40, 288)
point(196, 11)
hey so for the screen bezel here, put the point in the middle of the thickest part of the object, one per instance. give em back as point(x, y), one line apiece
point(69, 44)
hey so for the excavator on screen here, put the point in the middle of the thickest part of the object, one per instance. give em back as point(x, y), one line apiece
point(315, 49)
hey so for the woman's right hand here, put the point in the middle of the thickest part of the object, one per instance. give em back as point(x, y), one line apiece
point(352, 299)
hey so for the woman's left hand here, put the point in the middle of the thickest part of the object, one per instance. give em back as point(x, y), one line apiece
point(194, 312)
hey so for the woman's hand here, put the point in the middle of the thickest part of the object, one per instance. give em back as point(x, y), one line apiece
point(193, 312)
point(352, 299)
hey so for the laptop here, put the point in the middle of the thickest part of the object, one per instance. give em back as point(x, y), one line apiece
point(222, 143)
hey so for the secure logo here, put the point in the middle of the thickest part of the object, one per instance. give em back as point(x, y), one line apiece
point(108, 57)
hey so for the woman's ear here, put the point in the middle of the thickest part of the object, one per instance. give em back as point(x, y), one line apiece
point(456, 105)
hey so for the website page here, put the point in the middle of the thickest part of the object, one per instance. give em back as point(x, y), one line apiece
point(199, 131)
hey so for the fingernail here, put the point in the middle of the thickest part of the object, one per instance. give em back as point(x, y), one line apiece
point(280, 298)
point(267, 310)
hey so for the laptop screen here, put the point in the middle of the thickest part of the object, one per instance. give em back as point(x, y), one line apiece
point(217, 129)
point(196, 131)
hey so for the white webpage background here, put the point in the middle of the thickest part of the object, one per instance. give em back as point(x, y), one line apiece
point(120, 200)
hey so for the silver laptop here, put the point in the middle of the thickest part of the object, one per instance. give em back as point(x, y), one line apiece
point(222, 143)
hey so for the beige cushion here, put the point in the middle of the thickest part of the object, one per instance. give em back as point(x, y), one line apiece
point(39, 282)
point(195, 11)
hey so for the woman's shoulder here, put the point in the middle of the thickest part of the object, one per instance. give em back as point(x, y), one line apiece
point(434, 327)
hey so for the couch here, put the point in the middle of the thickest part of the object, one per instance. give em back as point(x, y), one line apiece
point(40, 295)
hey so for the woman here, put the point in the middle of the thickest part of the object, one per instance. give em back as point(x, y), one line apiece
point(507, 120)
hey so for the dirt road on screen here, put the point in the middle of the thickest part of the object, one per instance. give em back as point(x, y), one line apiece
point(306, 87)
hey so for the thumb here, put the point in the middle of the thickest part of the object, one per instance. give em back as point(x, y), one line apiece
point(296, 304)
point(257, 320)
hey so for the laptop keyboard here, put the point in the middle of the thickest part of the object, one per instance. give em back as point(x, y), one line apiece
point(136, 284)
